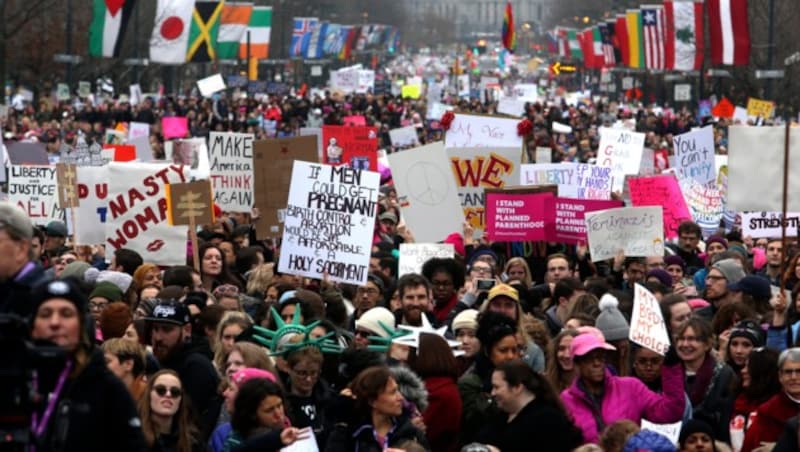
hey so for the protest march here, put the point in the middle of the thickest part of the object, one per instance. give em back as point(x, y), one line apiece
point(555, 228)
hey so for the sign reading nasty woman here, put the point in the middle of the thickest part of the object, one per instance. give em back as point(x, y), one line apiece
point(329, 222)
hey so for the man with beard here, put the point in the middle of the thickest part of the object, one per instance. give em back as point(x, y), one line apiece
point(170, 331)
point(721, 274)
point(772, 270)
point(416, 299)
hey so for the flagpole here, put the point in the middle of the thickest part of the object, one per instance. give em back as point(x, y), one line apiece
point(69, 41)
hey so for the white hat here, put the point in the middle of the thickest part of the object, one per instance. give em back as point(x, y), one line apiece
point(372, 320)
point(467, 318)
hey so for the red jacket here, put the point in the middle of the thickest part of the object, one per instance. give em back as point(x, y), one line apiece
point(443, 415)
point(769, 421)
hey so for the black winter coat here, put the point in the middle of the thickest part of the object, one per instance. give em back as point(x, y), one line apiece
point(553, 431)
point(360, 437)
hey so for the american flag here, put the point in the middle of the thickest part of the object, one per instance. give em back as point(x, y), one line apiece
point(653, 21)
point(608, 48)
point(302, 25)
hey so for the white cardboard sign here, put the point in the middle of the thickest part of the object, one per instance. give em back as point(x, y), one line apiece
point(34, 189)
point(468, 131)
point(413, 255)
point(404, 136)
point(620, 150)
point(211, 85)
point(694, 155)
point(231, 163)
point(647, 324)
point(574, 180)
point(637, 231)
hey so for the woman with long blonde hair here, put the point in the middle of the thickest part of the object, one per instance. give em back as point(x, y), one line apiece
point(517, 269)
point(560, 368)
point(233, 323)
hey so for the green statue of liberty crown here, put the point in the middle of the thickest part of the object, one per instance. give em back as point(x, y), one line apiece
point(276, 341)
point(382, 344)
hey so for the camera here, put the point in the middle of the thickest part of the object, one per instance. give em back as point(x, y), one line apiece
point(485, 284)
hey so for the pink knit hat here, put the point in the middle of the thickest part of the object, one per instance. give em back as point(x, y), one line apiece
point(243, 375)
point(698, 303)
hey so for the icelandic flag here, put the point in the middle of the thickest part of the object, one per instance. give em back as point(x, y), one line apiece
point(302, 28)
point(312, 25)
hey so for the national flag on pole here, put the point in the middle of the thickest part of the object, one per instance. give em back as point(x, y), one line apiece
point(606, 30)
point(508, 33)
point(203, 33)
point(552, 42)
point(621, 30)
point(653, 32)
point(597, 47)
point(684, 34)
point(585, 41)
point(574, 45)
point(729, 32)
point(351, 33)
point(331, 43)
point(109, 21)
point(317, 40)
point(302, 27)
point(232, 26)
point(260, 28)
point(633, 18)
point(563, 42)
point(170, 37)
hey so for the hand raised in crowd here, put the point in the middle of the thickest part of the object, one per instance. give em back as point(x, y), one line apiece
point(291, 434)
point(405, 232)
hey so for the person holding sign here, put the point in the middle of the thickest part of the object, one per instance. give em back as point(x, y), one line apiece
point(597, 398)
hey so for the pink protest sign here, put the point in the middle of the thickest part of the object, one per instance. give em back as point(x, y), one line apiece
point(661, 191)
point(516, 217)
point(355, 120)
point(570, 224)
point(174, 127)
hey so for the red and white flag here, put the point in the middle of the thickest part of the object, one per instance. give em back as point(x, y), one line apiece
point(729, 32)
point(653, 21)
point(684, 34)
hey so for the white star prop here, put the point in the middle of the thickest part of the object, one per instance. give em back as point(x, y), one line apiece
point(412, 340)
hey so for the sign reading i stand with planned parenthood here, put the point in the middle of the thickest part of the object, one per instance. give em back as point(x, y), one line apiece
point(329, 222)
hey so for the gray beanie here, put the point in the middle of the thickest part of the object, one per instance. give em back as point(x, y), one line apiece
point(610, 321)
point(731, 269)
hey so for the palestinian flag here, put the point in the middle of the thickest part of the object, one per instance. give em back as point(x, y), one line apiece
point(109, 20)
point(203, 32)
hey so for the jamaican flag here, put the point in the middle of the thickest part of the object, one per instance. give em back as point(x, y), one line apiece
point(203, 32)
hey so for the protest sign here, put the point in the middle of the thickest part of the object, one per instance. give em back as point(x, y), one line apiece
point(705, 204)
point(84, 89)
point(570, 218)
point(122, 152)
point(620, 150)
point(683, 92)
point(135, 92)
point(647, 324)
point(436, 110)
point(574, 180)
point(355, 147)
point(90, 215)
point(345, 80)
point(482, 131)
point(22, 153)
point(137, 212)
point(768, 224)
point(740, 116)
point(671, 431)
point(34, 189)
point(231, 165)
point(526, 92)
point(138, 129)
point(661, 191)
point(478, 168)
point(315, 132)
point(366, 81)
point(413, 255)
point(511, 107)
point(760, 108)
point(694, 155)
point(544, 155)
point(190, 203)
point(67, 180)
point(62, 92)
point(191, 153)
point(211, 85)
point(519, 217)
point(272, 171)
point(463, 85)
point(144, 152)
point(754, 178)
point(330, 219)
point(174, 127)
point(427, 192)
point(410, 91)
point(404, 136)
point(637, 231)
point(355, 120)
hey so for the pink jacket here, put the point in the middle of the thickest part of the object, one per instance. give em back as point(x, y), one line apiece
point(627, 398)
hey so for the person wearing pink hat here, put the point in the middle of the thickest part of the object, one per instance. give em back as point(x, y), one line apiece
point(597, 398)
point(240, 377)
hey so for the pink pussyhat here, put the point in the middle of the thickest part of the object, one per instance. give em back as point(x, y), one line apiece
point(585, 343)
point(248, 373)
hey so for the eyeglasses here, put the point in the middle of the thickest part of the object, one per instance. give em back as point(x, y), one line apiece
point(481, 269)
point(714, 278)
point(367, 290)
point(794, 372)
point(97, 306)
point(306, 374)
point(162, 390)
point(364, 334)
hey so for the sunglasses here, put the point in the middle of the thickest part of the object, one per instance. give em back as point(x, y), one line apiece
point(174, 391)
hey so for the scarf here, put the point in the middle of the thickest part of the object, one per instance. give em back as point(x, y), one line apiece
point(702, 379)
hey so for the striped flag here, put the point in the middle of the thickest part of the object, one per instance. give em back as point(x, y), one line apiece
point(621, 31)
point(563, 42)
point(232, 27)
point(508, 33)
point(260, 28)
point(302, 27)
point(606, 29)
point(633, 18)
point(585, 41)
point(313, 48)
point(109, 20)
point(597, 47)
point(574, 45)
point(684, 35)
point(729, 32)
point(653, 32)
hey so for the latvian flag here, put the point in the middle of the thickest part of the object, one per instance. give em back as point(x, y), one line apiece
point(653, 31)
point(729, 32)
point(109, 20)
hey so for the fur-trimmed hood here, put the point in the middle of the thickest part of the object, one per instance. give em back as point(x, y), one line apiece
point(411, 386)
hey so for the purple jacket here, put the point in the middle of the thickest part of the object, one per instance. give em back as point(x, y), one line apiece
point(627, 398)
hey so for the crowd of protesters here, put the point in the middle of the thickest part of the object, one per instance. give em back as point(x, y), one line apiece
point(189, 359)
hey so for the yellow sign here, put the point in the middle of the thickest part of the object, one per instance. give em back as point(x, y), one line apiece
point(410, 91)
point(557, 68)
point(760, 108)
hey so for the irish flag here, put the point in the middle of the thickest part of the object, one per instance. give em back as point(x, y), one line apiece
point(232, 26)
point(260, 28)
point(109, 20)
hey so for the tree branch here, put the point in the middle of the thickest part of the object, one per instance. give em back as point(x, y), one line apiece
point(27, 15)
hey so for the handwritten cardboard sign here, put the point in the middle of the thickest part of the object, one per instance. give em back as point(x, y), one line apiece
point(760, 108)
point(330, 219)
point(570, 218)
point(527, 92)
point(231, 163)
point(404, 136)
point(427, 192)
point(768, 224)
point(34, 189)
point(637, 231)
point(67, 178)
point(519, 217)
point(479, 168)
point(705, 203)
point(661, 191)
point(353, 146)
point(694, 155)
point(190, 203)
point(272, 169)
point(345, 80)
point(574, 180)
point(91, 214)
point(482, 131)
point(413, 255)
point(647, 324)
point(620, 150)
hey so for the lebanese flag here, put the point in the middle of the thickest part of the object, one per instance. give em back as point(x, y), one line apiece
point(622, 37)
point(109, 20)
point(729, 32)
point(683, 44)
point(170, 38)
